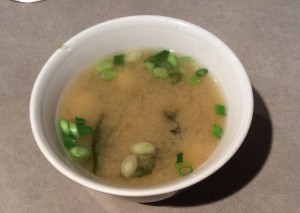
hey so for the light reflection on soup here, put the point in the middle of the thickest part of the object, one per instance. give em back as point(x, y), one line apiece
point(136, 106)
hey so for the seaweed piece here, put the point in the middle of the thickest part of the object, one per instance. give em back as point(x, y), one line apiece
point(138, 165)
point(96, 144)
point(146, 163)
point(172, 117)
point(176, 130)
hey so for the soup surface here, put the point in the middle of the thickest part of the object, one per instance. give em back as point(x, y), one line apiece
point(134, 104)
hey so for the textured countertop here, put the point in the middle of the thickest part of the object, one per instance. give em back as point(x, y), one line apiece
point(263, 176)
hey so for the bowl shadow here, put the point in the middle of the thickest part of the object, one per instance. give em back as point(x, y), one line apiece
point(238, 171)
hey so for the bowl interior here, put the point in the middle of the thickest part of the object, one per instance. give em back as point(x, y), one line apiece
point(140, 32)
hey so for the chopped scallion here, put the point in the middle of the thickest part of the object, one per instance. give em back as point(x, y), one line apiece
point(149, 65)
point(201, 72)
point(172, 59)
point(105, 65)
point(217, 131)
point(161, 72)
point(183, 168)
point(73, 129)
point(79, 154)
point(129, 166)
point(133, 55)
point(179, 158)
point(119, 59)
point(64, 126)
point(79, 121)
point(68, 128)
point(142, 148)
point(69, 141)
point(84, 130)
point(108, 75)
point(220, 110)
point(159, 58)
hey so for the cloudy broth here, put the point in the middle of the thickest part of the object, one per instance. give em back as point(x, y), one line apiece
point(136, 106)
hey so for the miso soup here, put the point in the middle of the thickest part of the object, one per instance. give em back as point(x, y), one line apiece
point(141, 117)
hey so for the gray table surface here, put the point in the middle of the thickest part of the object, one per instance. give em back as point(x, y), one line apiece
point(264, 174)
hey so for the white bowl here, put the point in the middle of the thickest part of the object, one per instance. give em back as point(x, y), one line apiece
point(137, 32)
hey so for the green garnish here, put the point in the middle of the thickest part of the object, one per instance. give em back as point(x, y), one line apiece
point(79, 121)
point(142, 148)
point(183, 168)
point(193, 80)
point(69, 141)
point(81, 127)
point(161, 72)
point(79, 154)
point(217, 131)
point(70, 131)
point(73, 129)
point(179, 158)
point(68, 128)
point(108, 75)
point(64, 126)
point(105, 65)
point(159, 58)
point(149, 65)
point(201, 72)
point(133, 55)
point(119, 59)
point(172, 59)
point(129, 166)
point(220, 110)
point(85, 130)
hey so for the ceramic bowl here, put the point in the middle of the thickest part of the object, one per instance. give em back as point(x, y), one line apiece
point(140, 32)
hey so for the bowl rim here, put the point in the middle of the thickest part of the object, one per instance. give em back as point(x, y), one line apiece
point(131, 191)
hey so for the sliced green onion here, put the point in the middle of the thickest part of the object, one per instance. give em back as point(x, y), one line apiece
point(175, 77)
point(201, 72)
point(129, 166)
point(69, 141)
point(119, 59)
point(161, 72)
point(179, 158)
point(68, 128)
point(64, 126)
point(217, 131)
point(220, 110)
point(159, 57)
point(108, 75)
point(183, 168)
point(193, 80)
point(73, 129)
point(133, 55)
point(172, 59)
point(106, 65)
point(79, 154)
point(79, 121)
point(149, 65)
point(142, 148)
point(85, 130)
